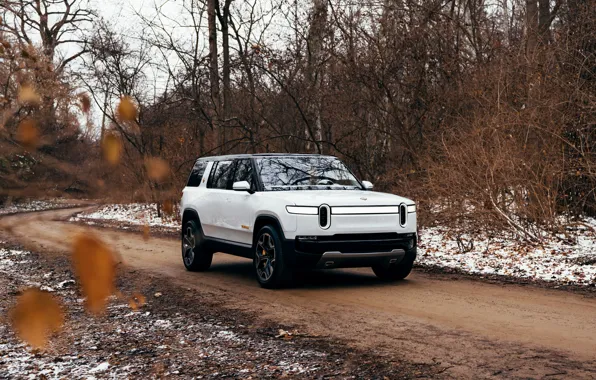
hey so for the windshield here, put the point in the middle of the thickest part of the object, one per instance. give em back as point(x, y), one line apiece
point(305, 173)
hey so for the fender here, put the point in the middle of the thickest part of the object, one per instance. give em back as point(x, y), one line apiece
point(189, 213)
point(265, 219)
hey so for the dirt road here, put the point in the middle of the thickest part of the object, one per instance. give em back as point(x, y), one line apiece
point(474, 329)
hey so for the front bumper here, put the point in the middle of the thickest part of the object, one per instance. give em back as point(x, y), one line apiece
point(349, 250)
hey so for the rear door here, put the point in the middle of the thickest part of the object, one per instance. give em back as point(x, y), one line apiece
point(194, 192)
point(219, 187)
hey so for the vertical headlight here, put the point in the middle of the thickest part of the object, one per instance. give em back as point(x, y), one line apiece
point(403, 215)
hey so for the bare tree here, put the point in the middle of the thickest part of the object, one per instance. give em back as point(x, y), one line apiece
point(52, 22)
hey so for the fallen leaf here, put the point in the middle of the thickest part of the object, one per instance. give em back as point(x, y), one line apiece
point(28, 134)
point(127, 110)
point(112, 148)
point(136, 301)
point(36, 315)
point(94, 266)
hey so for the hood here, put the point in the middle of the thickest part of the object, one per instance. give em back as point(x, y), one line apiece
point(339, 198)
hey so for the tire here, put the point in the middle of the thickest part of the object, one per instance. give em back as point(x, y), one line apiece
point(195, 256)
point(271, 269)
point(396, 272)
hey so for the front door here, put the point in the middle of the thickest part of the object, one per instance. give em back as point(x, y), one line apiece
point(238, 213)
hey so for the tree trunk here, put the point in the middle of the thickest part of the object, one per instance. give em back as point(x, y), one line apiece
point(544, 21)
point(314, 72)
point(224, 16)
point(212, 5)
point(531, 27)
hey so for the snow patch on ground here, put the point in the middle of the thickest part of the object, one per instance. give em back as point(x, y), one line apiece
point(132, 213)
point(11, 257)
point(566, 261)
point(34, 205)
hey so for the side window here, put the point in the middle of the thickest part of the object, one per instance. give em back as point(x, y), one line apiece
point(196, 173)
point(221, 174)
point(244, 172)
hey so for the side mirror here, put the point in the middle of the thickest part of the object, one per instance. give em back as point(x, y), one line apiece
point(242, 186)
point(367, 185)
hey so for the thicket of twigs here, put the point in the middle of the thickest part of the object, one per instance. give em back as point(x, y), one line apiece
point(483, 112)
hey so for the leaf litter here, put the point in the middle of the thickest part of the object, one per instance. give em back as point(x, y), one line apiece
point(165, 337)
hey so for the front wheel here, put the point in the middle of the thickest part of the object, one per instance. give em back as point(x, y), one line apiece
point(271, 269)
point(195, 255)
point(396, 272)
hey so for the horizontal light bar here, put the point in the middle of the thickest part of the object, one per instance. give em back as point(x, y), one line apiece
point(303, 210)
point(365, 210)
point(411, 208)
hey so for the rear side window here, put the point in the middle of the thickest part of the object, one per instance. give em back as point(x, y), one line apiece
point(197, 173)
point(244, 172)
point(221, 174)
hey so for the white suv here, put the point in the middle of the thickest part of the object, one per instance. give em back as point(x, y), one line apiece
point(293, 211)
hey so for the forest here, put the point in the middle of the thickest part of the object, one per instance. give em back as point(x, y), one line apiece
point(484, 112)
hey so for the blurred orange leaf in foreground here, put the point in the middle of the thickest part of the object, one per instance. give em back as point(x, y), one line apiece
point(28, 95)
point(94, 265)
point(111, 147)
point(36, 316)
point(127, 110)
point(157, 169)
point(28, 134)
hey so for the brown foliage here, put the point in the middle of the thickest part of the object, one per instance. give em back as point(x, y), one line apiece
point(483, 109)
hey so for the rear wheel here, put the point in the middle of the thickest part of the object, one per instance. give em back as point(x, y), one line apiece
point(396, 272)
point(195, 255)
point(271, 269)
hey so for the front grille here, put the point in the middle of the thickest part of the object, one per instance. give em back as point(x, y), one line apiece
point(354, 243)
point(324, 220)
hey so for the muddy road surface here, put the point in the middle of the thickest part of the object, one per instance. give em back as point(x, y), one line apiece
point(469, 328)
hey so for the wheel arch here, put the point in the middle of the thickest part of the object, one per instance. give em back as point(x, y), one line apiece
point(265, 220)
point(189, 214)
